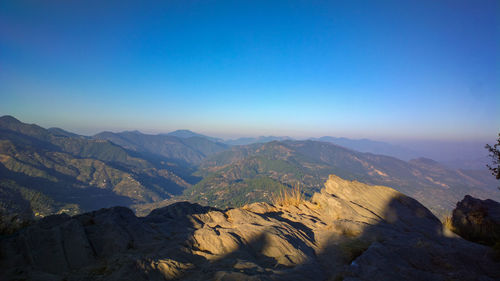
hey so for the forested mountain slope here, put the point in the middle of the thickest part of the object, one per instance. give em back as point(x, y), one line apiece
point(251, 173)
point(55, 172)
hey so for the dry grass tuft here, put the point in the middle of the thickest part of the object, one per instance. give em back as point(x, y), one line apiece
point(447, 223)
point(293, 197)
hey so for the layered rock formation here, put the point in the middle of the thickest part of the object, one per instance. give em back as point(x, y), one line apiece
point(477, 220)
point(349, 231)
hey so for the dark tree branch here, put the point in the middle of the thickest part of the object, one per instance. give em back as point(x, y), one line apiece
point(495, 156)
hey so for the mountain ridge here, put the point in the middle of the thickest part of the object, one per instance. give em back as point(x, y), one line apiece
point(188, 134)
point(377, 147)
point(78, 171)
point(190, 150)
point(260, 139)
point(166, 169)
point(284, 164)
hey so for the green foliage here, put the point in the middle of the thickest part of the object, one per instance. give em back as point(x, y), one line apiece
point(189, 151)
point(20, 206)
point(309, 163)
point(239, 193)
point(69, 172)
point(494, 153)
point(133, 168)
point(32, 201)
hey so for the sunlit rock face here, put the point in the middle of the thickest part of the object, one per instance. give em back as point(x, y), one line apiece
point(348, 231)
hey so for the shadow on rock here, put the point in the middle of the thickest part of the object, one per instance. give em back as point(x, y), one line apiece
point(348, 231)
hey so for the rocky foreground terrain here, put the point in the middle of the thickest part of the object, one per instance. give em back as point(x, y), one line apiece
point(477, 220)
point(348, 231)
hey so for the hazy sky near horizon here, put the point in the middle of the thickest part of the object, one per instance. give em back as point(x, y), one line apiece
point(376, 69)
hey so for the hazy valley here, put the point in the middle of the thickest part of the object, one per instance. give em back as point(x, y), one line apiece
point(48, 171)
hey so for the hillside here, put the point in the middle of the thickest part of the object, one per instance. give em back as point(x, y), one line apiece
point(347, 231)
point(186, 150)
point(251, 173)
point(74, 173)
point(55, 172)
point(185, 134)
point(261, 139)
point(371, 146)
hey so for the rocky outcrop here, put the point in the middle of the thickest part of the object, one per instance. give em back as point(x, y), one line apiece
point(348, 231)
point(15, 211)
point(477, 220)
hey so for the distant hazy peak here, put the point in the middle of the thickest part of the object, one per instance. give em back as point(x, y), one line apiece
point(372, 146)
point(132, 132)
point(260, 139)
point(423, 160)
point(184, 134)
point(102, 134)
point(9, 119)
point(61, 132)
point(10, 123)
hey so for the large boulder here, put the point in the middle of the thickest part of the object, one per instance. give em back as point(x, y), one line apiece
point(477, 220)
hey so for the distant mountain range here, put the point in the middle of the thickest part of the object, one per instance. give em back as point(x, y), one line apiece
point(455, 155)
point(130, 139)
point(56, 172)
point(371, 146)
point(362, 145)
point(189, 134)
point(190, 150)
point(261, 139)
point(239, 141)
point(255, 171)
point(46, 171)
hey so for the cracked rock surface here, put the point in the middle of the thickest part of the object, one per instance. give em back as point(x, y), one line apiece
point(348, 231)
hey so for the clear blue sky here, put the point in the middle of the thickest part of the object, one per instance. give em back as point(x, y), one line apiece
point(376, 69)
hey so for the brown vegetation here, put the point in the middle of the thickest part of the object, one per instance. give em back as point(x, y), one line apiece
point(294, 197)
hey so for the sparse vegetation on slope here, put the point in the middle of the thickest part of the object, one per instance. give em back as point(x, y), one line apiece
point(187, 151)
point(75, 170)
point(98, 172)
point(310, 162)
